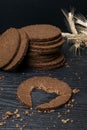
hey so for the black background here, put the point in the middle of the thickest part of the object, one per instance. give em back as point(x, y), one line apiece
point(18, 13)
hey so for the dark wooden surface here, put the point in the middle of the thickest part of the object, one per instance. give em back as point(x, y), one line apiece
point(75, 76)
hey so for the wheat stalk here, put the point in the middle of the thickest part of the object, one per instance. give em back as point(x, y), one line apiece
point(78, 27)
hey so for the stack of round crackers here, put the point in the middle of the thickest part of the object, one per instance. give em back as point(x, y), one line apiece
point(40, 44)
point(45, 44)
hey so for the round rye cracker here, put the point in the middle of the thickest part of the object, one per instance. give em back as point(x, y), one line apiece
point(42, 32)
point(9, 44)
point(48, 84)
point(21, 52)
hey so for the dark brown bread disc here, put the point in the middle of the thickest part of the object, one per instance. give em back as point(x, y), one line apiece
point(42, 32)
point(9, 44)
point(21, 52)
point(48, 84)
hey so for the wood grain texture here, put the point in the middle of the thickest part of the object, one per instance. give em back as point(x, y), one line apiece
point(75, 76)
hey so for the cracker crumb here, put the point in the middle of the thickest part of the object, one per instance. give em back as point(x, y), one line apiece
point(8, 114)
point(21, 128)
point(13, 120)
point(51, 111)
point(16, 111)
point(21, 119)
point(59, 115)
point(27, 113)
point(76, 90)
point(17, 125)
point(54, 125)
point(67, 65)
point(24, 125)
point(65, 121)
point(72, 121)
point(67, 111)
point(18, 115)
point(73, 100)
point(2, 77)
point(44, 111)
point(2, 123)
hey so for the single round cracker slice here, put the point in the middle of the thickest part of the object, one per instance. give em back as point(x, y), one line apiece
point(48, 84)
point(42, 32)
point(21, 52)
point(9, 44)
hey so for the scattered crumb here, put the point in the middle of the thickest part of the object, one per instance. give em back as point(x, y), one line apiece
point(18, 116)
point(79, 78)
point(27, 113)
point(39, 111)
point(16, 111)
point(71, 121)
point(65, 121)
point(51, 111)
point(73, 100)
point(45, 111)
point(2, 123)
point(21, 119)
point(59, 115)
point(13, 120)
point(70, 103)
point(76, 90)
point(2, 77)
point(17, 125)
point(67, 111)
point(54, 125)
point(24, 125)
point(67, 65)
point(21, 128)
point(8, 114)
point(31, 108)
